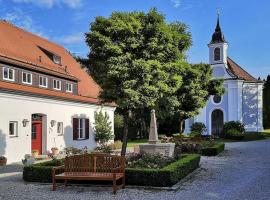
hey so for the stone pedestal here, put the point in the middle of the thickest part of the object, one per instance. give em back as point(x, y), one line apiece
point(166, 149)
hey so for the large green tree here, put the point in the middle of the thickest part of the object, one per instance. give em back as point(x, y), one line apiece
point(266, 103)
point(137, 59)
point(198, 85)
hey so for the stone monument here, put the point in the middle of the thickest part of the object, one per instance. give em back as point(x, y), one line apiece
point(154, 146)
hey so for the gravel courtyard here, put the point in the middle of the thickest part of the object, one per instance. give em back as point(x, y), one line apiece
point(241, 172)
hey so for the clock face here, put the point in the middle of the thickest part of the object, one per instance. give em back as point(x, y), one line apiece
point(218, 72)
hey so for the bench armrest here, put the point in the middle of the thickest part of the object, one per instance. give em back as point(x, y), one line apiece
point(117, 169)
point(56, 169)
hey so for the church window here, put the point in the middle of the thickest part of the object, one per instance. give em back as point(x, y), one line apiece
point(217, 54)
point(217, 99)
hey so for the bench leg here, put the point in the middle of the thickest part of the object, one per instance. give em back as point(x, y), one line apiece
point(124, 182)
point(114, 186)
point(54, 185)
point(65, 182)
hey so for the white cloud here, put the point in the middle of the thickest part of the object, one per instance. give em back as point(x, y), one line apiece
point(176, 3)
point(20, 19)
point(77, 38)
point(51, 3)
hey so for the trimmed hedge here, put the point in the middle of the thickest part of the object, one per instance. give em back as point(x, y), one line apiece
point(166, 176)
point(213, 150)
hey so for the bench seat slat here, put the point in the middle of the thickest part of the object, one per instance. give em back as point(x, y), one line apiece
point(88, 175)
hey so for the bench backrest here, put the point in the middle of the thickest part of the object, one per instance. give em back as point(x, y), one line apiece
point(97, 162)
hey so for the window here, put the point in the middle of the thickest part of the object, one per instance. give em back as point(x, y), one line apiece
point(13, 129)
point(60, 128)
point(69, 87)
point(26, 78)
point(56, 84)
point(57, 59)
point(217, 99)
point(8, 74)
point(217, 54)
point(34, 132)
point(43, 81)
point(80, 128)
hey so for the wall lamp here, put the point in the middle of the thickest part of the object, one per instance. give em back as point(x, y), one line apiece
point(53, 122)
point(25, 122)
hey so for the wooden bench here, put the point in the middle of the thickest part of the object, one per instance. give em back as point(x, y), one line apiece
point(91, 167)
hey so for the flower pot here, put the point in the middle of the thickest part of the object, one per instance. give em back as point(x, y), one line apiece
point(35, 154)
point(55, 151)
point(3, 162)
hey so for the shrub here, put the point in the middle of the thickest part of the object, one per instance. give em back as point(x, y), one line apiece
point(213, 150)
point(167, 176)
point(233, 125)
point(102, 127)
point(198, 127)
point(104, 149)
point(116, 145)
point(234, 134)
point(194, 134)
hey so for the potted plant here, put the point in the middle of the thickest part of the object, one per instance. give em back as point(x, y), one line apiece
point(3, 160)
point(35, 153)
point(55, 151)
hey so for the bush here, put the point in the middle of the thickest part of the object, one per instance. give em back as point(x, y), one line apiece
point(236, 125)
point(213, 150)
point(198, 127)
point(234, 134)
point(102, 128)
point(166, 176)
point(194, 134)
point(116, 145)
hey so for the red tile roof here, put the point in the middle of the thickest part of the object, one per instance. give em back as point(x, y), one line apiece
point(239, 72)
point(20, 47)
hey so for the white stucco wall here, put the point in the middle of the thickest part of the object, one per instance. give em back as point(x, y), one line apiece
point(18, 107)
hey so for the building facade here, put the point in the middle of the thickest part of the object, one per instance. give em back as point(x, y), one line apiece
point(46, 99)
point(242, 100)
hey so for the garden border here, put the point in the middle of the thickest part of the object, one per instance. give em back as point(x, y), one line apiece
point(213, 150)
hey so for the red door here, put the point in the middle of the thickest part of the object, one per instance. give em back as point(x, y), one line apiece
point(37, 136)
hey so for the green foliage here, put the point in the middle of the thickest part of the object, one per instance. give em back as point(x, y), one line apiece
point(104, 149)
point(166, 176)
point(102, 128)
point(213, 150)
point(198, 127)
point(152, 161)
point(266, 103)
point(234, 134)
point(236, 125)
point(118, 126)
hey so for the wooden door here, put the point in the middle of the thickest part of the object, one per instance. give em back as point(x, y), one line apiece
point(37, 136)
point(217, 121)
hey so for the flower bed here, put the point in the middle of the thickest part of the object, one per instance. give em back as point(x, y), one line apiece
point(166, 176)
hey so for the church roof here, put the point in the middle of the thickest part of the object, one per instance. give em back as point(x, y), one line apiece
point(218, 36)
point(239, 72)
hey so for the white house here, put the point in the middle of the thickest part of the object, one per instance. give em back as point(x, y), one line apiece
point(46, 99)
point(242, 100)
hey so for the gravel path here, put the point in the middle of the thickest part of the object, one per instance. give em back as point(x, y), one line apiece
point(241, 172)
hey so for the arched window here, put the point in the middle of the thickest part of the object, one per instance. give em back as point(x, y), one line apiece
point(217, 54)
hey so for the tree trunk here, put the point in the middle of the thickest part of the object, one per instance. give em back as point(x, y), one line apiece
point(125, 136)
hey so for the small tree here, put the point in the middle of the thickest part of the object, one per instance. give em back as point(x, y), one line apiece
point(102, 128)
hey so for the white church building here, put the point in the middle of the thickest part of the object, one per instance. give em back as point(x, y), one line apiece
point(242, 100)
point(46, 99)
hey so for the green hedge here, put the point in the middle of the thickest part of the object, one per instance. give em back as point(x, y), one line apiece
point(166, 176)
point(213, 150)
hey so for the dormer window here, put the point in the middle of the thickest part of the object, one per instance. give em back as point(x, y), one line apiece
point(217, 54)
point(69, 87)
point(57, 59)
point(8, 74)
point(27, 78)
point(56, 84)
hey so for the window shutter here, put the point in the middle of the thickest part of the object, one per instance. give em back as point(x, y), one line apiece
point(75, 128)
point(86, 128)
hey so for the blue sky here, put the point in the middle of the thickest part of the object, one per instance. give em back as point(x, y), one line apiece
point(244, 23)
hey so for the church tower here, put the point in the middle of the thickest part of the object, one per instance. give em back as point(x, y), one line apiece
point(218, 47)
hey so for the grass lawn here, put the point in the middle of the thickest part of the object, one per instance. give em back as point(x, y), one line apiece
point(132, 143)
point(251, 136)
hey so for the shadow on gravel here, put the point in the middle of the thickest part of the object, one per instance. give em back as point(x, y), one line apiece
point(11, 168)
